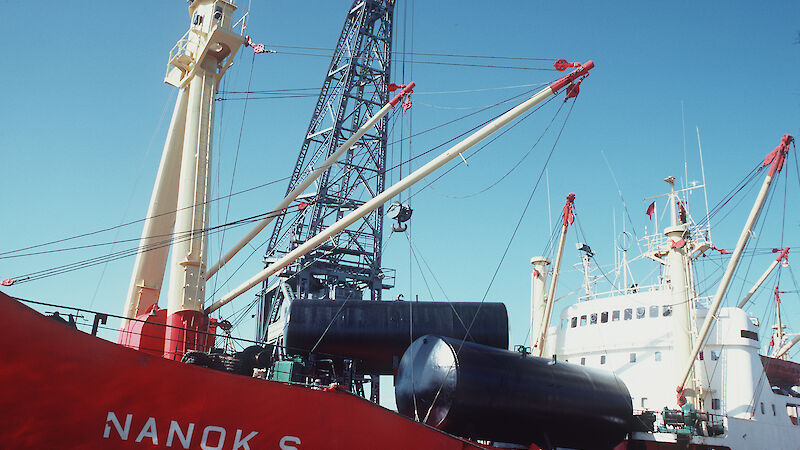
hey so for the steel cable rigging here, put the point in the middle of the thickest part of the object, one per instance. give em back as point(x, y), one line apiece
point(505, 252)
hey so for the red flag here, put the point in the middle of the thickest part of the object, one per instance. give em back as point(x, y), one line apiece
point(721, 251)
point(682, 212)
point(651, 210)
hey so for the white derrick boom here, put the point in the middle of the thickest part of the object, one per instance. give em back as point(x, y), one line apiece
point(763, 278)
point(401, 185)
point(776, 159)
point(551, 293)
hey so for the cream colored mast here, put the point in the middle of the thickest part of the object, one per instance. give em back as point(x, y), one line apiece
point(539, 275)
point(178, 211)
point(677, 261)
point(151, 260)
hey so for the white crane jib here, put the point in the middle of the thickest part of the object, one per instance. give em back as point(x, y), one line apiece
point(404, 184)
point(775, 159)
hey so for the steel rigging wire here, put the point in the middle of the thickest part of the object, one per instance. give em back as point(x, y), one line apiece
point(448, 55)
point(481, 147)
point(178, 237)
point(5, 254)
point(437, 63)
point(235, 162)
point(132, 251)
point(514, 166)
point(505, 252)
point(297, 92)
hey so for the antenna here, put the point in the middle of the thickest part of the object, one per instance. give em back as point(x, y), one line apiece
point(705, 186)
point(622, 199)
point(685, 165)
point(614, 237)
point(549, 210)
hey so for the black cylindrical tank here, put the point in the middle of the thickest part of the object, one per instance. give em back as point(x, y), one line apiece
point(485, 393)
point(375, 334)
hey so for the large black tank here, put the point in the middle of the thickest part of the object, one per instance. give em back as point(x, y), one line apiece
point(375, 334)
point(485, 393)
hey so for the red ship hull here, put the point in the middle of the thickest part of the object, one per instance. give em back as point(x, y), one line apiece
point(67, 389)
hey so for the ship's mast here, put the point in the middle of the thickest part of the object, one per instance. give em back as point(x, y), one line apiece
point(179, 203)
point(539, 275)
point(677, 263)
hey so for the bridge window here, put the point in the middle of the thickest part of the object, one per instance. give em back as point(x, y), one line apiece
point(633, 357)
point(657, 356)
point(628, 314)
point(715, 404)
point(666, 310)
point(583, 361)
point(654, 311)
point(602, 359)
point(604, 317)
point(593, 319)
point(792, 411)
point(615, 316)
point(640, 311)
point(583, 321)
point(573, 322)
point(714, 355)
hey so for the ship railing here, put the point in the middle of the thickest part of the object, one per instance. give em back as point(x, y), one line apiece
point(389, 276)
point(658, 241)
point(620, 291)
point(182, 47)
point(241, 24)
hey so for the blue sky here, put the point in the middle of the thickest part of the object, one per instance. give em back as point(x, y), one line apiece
point(84, 115)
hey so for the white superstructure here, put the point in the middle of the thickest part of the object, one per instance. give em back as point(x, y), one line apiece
point(646, 336)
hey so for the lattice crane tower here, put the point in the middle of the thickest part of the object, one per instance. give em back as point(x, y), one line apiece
point(355, 88)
